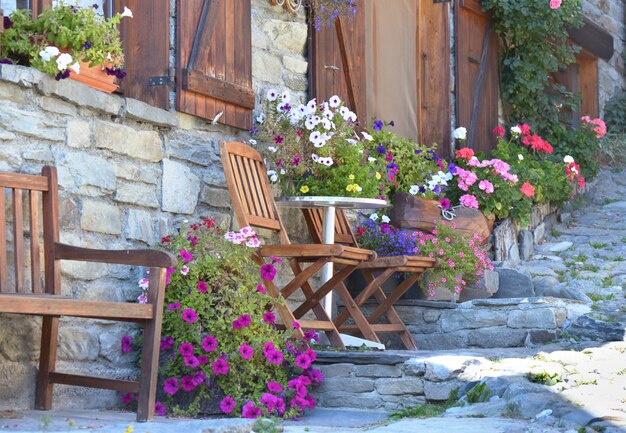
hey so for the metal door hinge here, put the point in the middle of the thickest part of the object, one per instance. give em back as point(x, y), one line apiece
point(162, 80)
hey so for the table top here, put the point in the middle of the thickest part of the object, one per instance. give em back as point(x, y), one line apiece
point(326, 201)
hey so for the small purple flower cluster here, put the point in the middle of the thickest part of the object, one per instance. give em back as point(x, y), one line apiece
point(119, 73)
point(385, 239)
point(327, 11)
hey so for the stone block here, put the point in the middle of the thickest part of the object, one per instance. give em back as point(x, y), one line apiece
point(377, 370)
point(41, 155)
point(110, 338)
point(83, 270)
point(336, 370)
point(21, 75)
point(121, 139)
point(138, 194)
point(55, 105)
point(216, 197)
point(133, 171)
point(348, 400)
point(459, 319)
point(100, 217)
point(78, 171)
point(431, 316)
point(346, 384)
point(440, 391)
point(415, 367)
point(139, 225)
point(13, 93)
point(296, 65)
point(447, 367)
point(143, 112)
point(68, 211)
point(400, 386)
point(499, 336)
point(560, 247)
point(442, 341)
point(30, 123)
point(514, 284)
point(180, 188)
point(540, 336)
point(296, 82)
point(266, 67)
point(78, 134)
point(541, 318)
point(6, 135)
point(539, 233)
point(526, 244)
point(289, 36)
point(214, 176)
point(20, 337)
point(78, 343)
point(80, 94)
point(597, 330)
point(546, 286)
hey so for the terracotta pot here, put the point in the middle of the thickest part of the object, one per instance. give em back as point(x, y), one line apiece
point(410, 212)
point(95, 77)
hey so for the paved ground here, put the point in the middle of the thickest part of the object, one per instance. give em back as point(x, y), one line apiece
point(578, 383)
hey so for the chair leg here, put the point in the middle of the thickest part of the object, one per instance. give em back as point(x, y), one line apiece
point(47, 362)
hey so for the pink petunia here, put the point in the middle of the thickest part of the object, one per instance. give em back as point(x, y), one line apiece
point(127, 398)
point(127, 344)
point(186, 349)
point(268, 272)
point(191, 361)
point(245, 320)
point(203, 359)
point(174, 306)
point(159, 409)
point(227, 404)
point(261, 289)
point(295, 324)
point(186, 255)
point(269, 317)
point(198, 377)
point(170, 386)
point(274, 356)
point(250, 411)
point(303, 361)
point(220, 366)
point(166, 343)
point(237, 324)
point(316, 376)
point(202, 286)
point(187, 384)
point(274, 387)
point(189, 315)
point(246, 351)
point(209, 343)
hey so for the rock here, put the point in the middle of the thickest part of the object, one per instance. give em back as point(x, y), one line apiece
point(266, 67)
point(216, 197)
point(514, 284)
point(135, 171)
point(526, 244)
point(539, 233)
point(295, 64)
point(77, 172)
point(569, 292)
point(402, 386)
point(498, 336)
point(346, 384)
point(345, 399)
point(141, 111)
point(139, 225)
point(137, 193)
point(446, 367)
point(541, 318)
point(546, 286)
point(100, 217)
point(287, 36)
point(180, 188)
point(78, 134)
point(541, 268)
point(144, 145)
point(560, 247)
point(78, 343)
point(377, 370)
point(460, 319)
point(597, 330)
point(336, 370)
point(440, 391)
point(30, 124)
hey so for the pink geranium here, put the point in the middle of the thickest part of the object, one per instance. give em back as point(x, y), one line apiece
point(555, 4)
point(486, 186)
point(468, 200)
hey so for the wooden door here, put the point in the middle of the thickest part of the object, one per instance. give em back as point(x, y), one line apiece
point(477, 75)
point(434, 75)
point(337, 62)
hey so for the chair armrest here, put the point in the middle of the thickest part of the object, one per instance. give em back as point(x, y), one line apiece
point(144, 257)
point(301, 250)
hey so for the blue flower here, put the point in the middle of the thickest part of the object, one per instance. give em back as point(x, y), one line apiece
point(381, 150)
point(87, 45)
point(452, 168)
point(392, 167)
point(378, 125)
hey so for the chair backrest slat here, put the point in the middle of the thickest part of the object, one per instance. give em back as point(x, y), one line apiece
point(50, 201)
point(251, 193)
point(4, 269)
point(343, 232)
point(18, 239)
point(35, 264)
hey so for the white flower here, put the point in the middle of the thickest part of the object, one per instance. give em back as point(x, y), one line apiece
point(272, 175)
point(516, 130)
point(252, 141)
point(344, 111)
point(127, 12)
point(315, 136)
point(385, 219)
point(352, 117)
point(459, 133)
point(327, 124)
point(328, 114)
point(285, 96)
point(414, 190)
point(315, 158)
point(283, 106)
point(359, 189)
point(63, 61)
point(76, 68)
point(370, 159)
point(272, 95)
point(334, 101)
point(366, 136)
point(144, 283)
point(282, 171)
point(310, 123)
point(49, 52)
point(374, 217)
point(520, 156)
point(574, 170)
point(568, 159)
point(311, 105)
point(319, 143)
point(184, 270)
point(260, 118)
point(325, 106)
point(352, 141)
point(272, 149)
point(328, 161)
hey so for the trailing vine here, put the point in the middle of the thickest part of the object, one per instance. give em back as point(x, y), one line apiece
point(534, 45)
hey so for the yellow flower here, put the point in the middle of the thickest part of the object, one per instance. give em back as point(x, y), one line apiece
point(350, 188)
point(378, 176)
point(304, 189)
point(130, 429)
point(351, 177)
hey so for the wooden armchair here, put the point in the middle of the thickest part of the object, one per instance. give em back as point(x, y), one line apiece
point(376, 273)
point(254, 206)
point(46, 299)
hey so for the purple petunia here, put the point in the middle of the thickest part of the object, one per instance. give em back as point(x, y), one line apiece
point(87, 45)
point(378, 125)
point(303, 361)
point(159, 409)
point(191, 361)
point(274, 356)
point(174, 306)
point(202, 286)
point(186, 255)
point(167, 343)
point(246, 351)
point(269, 317)
point(220, 366)
point(209, 343)
point(127, 344)
point(189, 315)
point(382, 150)
point(186, 349)
point(7, 23)
point(268, 272)
point(227, 404)
point(187, 384)
point(171, 386)
point(249, 410)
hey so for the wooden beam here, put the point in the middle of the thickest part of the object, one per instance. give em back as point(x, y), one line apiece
point(594, 39)
point(199, 82)
point(204, 31)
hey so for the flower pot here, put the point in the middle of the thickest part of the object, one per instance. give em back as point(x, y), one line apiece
point(410, 212)
point(95, 77)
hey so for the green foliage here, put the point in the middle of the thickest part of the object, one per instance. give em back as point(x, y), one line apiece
point(479, 393)
point(534, 45)
point(545, 377)
point(87, 36)
point(615, 114)
point(427, 410)
point(613, 150)
point(581, 143)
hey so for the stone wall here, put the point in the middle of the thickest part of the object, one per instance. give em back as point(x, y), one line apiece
point(609, 14)
point(129, 174)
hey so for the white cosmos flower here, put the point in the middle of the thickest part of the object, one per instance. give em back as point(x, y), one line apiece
point(76, 68)
point(385, 219)
point(414, 190)
point(63, 61)
point(252, 141)
point(272, 149)
point(568, 159)
point(459, 133)
point(127, 12)
point(366, 136)
point(516, 130)
point(285, 96)
point(370, 159)
point(272, 95)
point(260, 118)
point(374, 217)
point(520, 156)
point(334, 101)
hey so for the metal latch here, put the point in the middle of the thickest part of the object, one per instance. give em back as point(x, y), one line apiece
point(159, 81)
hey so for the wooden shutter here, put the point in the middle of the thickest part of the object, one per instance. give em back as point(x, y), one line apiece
point(434, 75)
point(146, 42)
point(337, 62)
point(476, 75)
point(38, 5)
point(214, 60)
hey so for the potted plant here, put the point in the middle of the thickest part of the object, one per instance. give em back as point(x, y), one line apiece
point(314, 149)
point(67, 42)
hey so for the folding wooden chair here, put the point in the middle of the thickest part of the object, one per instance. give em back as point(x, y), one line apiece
point(385, 268)
point(254, 206)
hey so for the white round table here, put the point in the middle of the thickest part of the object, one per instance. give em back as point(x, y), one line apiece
point(330, 205)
